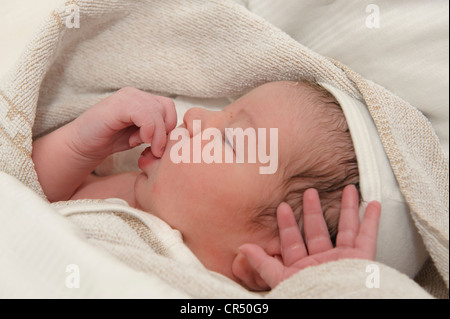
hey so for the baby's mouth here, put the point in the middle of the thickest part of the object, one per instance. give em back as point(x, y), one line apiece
point(147, 158)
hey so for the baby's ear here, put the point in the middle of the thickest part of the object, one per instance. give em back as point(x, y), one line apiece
point(246, 273)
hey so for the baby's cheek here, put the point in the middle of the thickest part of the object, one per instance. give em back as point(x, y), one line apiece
point(167, 183)
point(176, 184)
point(155, 189)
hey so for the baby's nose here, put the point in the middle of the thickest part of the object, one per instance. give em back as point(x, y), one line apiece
point(207, 118)
point(194, 113)
point(190, 116)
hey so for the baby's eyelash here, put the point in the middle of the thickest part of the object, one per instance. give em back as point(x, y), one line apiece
point(226, 140)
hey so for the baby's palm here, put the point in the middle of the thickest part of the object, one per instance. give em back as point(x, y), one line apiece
point(354, 240)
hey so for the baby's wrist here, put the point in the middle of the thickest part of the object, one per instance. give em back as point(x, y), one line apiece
point(79, 150)
point(61, 168)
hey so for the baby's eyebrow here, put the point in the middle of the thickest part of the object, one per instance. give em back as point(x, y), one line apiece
point(247, 117)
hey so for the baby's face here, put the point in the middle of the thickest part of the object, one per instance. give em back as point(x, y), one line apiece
point(213, 205)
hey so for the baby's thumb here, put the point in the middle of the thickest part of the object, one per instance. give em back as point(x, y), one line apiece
point(268, 268)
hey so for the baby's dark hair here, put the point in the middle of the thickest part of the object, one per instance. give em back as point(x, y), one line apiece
point(326, 162)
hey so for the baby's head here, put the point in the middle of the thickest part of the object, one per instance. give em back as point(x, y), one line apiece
point(220, 206)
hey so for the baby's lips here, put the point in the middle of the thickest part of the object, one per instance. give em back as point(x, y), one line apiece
point(147, 158)
point(147, 152)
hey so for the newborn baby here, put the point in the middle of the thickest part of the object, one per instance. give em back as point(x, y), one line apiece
point(238, 222)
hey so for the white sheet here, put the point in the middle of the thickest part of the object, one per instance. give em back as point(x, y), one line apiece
point(52, 243)
point(19, 20)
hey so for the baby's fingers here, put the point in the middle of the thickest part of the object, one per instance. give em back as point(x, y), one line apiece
point(170, 114)
point(292, 245)
point(367, 236)
point(270, 269)
point(155, 133)
point(316, 231)
point(349, 218)
point(151, 131)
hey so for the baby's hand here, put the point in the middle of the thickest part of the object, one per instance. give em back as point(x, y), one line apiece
point(124, 120)
point(354, 240)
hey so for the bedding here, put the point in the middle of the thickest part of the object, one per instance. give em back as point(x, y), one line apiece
point(20, 20)
point(407, 53)
point(64, 70)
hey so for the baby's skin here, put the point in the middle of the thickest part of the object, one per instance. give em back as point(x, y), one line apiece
point(209, 204)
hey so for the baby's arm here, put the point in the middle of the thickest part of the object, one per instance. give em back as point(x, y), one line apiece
point(60, 168)
point(354, 239)
point(64, 158)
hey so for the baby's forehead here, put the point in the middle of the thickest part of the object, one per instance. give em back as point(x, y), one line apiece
point(282, 105)
point(279, 104)
point(280, 96)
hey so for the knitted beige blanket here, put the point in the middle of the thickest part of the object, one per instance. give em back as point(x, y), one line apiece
point(195, 48)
